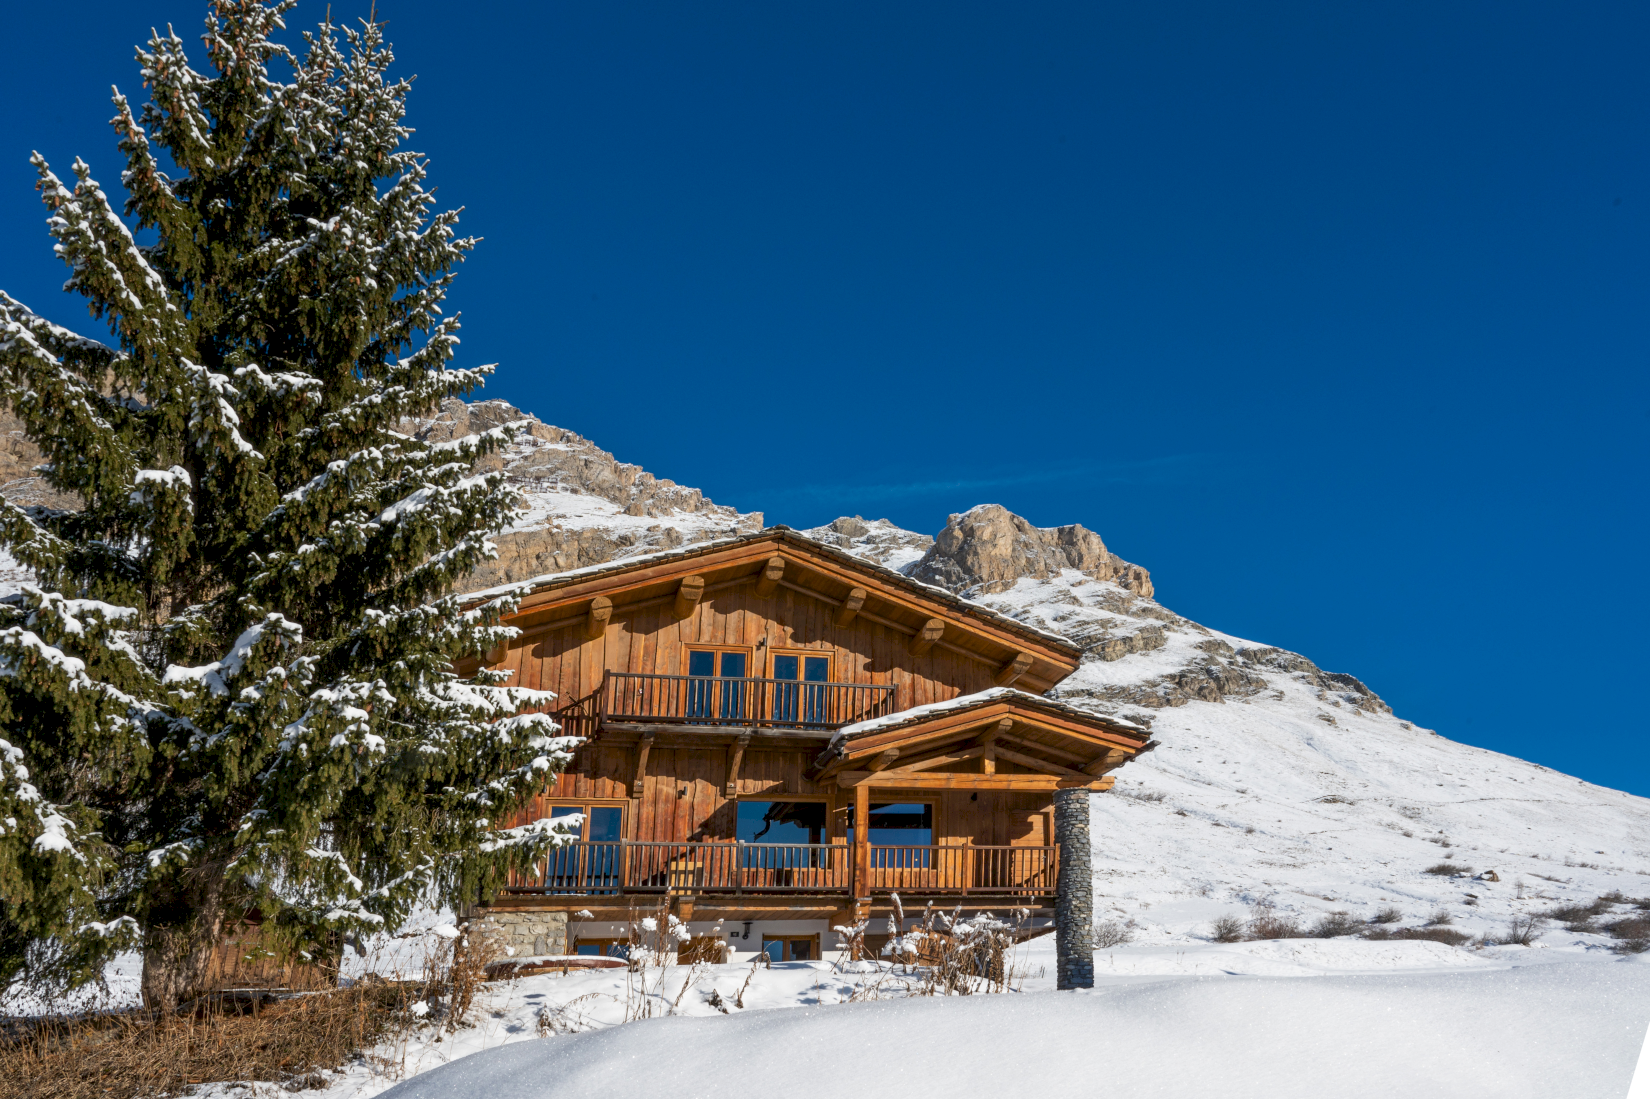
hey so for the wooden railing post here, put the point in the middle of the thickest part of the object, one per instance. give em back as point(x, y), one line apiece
point(862, 841)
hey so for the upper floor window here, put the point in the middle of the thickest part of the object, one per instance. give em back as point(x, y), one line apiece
point(719, 696)
point(793, 699)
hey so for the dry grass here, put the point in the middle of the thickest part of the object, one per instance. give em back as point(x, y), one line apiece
point(124, 1056)
point(1446, 935)
point(1447, 869)
point(1336, 924)
point(1389, 914)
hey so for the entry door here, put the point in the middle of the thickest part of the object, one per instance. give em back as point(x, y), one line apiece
point(715, 689)
point(794, 700)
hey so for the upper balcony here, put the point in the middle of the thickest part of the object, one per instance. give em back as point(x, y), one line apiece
point(691, 700)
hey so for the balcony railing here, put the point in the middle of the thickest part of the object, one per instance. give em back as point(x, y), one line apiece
point(693, 868)
point(724, 700)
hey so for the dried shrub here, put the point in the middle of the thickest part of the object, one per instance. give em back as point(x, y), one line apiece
point(1110, 933)
point(1228, 929)
point(1440, 918)
point(1334, 925)
point(1632, 935)
point(288, 1041)
point(1523, 930)
point(1151, 796)
point(1269, 925)
point(1445, 935)
point(1447, 869)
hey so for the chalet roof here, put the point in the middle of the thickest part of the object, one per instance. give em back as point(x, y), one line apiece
point(778, 535)
point(1021, 699)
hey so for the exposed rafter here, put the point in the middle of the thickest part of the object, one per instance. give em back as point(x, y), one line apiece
point(687, 595)
point(595, 623)
point(924, 639)
point(850, 607)
point(1013, 670)
point(772, 572)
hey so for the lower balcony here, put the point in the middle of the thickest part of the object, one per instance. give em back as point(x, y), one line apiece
point(641, 867)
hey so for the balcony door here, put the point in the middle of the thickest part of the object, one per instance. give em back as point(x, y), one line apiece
point(795, 699)
point(714, 689)
point(593, 865)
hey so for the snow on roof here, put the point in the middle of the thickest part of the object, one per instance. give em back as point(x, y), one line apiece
point(965, 702)
point(899, 579)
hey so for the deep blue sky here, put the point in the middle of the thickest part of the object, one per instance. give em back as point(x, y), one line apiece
point(1331, 315)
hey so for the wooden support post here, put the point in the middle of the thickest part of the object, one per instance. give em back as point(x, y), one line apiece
point(739, 747)
point(850, 607)
point(772, 572)
point(595, 623)
point(1013, 670)
point(988, 757)
point(642, 750)
point(924, 639)
point(862, 841)
point(687, 596)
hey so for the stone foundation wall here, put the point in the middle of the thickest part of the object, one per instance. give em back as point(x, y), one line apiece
point(531, 933)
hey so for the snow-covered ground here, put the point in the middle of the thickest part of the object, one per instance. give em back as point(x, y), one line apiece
point(1282, 1019)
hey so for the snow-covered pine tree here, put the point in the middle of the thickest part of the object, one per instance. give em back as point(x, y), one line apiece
point(232, 685)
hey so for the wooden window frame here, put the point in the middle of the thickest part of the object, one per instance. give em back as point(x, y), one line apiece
point(603, 943)
point(585, 805)
point(828, 654)
point(788, 940)
point(688, 648)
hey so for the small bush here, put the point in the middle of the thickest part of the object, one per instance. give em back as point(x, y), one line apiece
point(1153, 796)
point(1110, 933)
point(1447, 869)
point(1268, 926)
point(1440, 918)
point(1523, 930)
point(1447, 936)
point(1387, 915)
point(1336, 924)
point(1228, 929)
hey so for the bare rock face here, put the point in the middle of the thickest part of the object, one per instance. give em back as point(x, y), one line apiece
point(19, 483)
point(877, 540)
point(988, 548)
point(579, 505)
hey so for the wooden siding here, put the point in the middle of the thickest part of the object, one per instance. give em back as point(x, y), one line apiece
point(651, 640)
point(683, 798)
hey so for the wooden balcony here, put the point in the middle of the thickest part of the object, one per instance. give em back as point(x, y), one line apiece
point(628, 697)
point(589, 869)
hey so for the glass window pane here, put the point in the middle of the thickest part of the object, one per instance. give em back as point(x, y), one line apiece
point(818, 669)
point(774, 949)
point(701, 662)
point(733, 664)
point(604, 824)
point(907, 825)
point(589, 948)
point(784, 667)
point(781, 821)
point(802, 950)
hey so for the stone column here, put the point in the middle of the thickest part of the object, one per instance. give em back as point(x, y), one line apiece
point(1074, 899)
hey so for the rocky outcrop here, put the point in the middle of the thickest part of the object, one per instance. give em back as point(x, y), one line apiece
point(19, 483)
point(877, 540)
point(988, 548)
point(579, 505)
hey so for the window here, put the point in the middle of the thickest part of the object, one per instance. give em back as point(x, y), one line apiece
point(900, 835)
point(791, 949)
point(793, 698)
point(603, 948)
point(761, 823)
point(593, 865)
point(721, 695)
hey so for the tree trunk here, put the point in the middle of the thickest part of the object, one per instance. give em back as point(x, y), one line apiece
point(180, 938)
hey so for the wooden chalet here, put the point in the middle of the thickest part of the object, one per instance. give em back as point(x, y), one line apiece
point(779, 735)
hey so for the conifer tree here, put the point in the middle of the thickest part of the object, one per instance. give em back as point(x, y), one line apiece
point(231, 684)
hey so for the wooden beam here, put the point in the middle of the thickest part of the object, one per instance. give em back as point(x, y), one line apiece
point(739, 747)
point(1072, 759)
point(925, 637)
point(938, 761)
point(885, 760)
point(1105, 761)
point(687, 596)
point(642, 750)
point(1040, 764)
point(1013, 670)
point(988, 760)
point(850, 607)
point(772, 572)
point(595, 623)
point(928, 780)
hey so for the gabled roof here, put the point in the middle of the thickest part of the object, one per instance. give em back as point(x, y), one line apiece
point(1045, 735)
point(823, 571)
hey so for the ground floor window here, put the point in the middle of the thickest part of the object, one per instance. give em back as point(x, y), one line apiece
point(594, 865)
point(791, 948)
point(603, 948)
